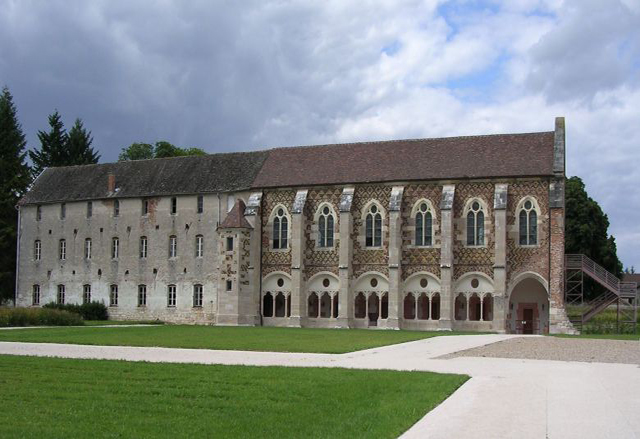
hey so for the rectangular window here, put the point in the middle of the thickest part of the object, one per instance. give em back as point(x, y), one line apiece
point(61, 293)
point(115, 248)
point(89, 209)
point(229, 244)
point(86, 294)
point(229, 285)
point(87, 248)
point(116, 208)
point(199, 246)
point(145, 207)
point(200, 205)
point(38, 213)
point(143, 247)
point(37, 250)
point(142, 295)
point(35, 298)
point(171, 297)
point(173, 246)
point(197, 296)
point(62, 250)
point(174, 205)
point(63, 211)
point(113, 296)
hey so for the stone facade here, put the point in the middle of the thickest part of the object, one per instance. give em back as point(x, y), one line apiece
point(423, 254)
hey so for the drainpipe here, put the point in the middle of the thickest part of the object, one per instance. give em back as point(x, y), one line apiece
point(15, 292)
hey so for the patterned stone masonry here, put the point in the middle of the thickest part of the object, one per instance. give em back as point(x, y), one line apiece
point(415, 259)
point(468, 259)
point(363, 259)
point(534, 258)
point(319, 259)
point(279, 260)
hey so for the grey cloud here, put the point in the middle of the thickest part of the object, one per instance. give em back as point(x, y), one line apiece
point(593, 48)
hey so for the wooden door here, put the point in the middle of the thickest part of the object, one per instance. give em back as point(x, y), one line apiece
point(527, 324)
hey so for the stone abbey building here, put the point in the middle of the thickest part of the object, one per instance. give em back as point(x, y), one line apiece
point(462, 233)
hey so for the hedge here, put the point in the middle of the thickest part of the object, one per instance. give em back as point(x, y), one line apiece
point(38, 317)
point(88, 311)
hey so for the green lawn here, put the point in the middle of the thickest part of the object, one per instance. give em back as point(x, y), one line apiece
point(121, 322)
point(62, 398)
point(333, 341)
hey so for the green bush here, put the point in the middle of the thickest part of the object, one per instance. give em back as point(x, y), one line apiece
point(88, 311)
point(38, 317)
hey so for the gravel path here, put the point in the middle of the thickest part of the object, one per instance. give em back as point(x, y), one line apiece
point(561, 349)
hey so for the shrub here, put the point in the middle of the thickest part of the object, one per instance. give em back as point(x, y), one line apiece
point(38, 317)
point(88, 311)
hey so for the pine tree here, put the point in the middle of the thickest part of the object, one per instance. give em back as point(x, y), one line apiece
point(53, 150)
point(79, 148)
point(15, 178)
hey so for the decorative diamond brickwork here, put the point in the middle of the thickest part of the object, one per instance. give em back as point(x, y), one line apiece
point(467, 259)
point(375, 260)
point(521, 259)
point(270, 199)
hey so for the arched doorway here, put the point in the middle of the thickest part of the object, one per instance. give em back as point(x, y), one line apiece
point(528, 307)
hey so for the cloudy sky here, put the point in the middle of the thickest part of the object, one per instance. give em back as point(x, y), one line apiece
point(240, 75)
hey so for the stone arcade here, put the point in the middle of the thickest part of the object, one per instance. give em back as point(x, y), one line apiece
point(461, 233)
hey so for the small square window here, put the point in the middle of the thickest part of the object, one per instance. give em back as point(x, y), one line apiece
point(229, 244)
point(229, 285)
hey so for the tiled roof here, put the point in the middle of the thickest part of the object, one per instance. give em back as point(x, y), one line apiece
point(235, 218)
point(502, 155)
point(170, 176)
point(631, 278)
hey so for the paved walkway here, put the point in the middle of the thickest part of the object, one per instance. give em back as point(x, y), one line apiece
point(505, 398)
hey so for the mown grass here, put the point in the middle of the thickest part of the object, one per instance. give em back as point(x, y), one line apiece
point(121, 322)
point(61, 398)
point(333, 341)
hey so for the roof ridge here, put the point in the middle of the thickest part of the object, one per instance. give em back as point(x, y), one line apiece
point(418, 139)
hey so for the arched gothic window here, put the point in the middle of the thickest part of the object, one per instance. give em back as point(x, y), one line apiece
point(373, 227)
point(528, 224)
point(424, 226)
point(475, 224)
point(325, 228)
point(280, 229)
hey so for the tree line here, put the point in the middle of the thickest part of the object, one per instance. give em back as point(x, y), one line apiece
point(586, 224)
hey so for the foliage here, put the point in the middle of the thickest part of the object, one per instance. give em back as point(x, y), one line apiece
point(61, 397)
point(79, 145)
point(38, 317)
point(15, 178)
point(162, 149)
point(59, 148)
point(586, 231)
point(226, 338)
point(88, 311)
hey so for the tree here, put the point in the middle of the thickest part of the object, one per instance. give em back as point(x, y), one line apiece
point(586, 228)
point(53, 150)
point(162, 149)
point(14, 181)
point(61, 149)
point(136, 151)
point(79, 146)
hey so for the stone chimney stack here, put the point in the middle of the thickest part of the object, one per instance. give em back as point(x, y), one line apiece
point(111, 185)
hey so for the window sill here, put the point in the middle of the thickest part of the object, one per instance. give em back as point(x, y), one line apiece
point(279, 250)
point(197, 306)
point(529, 246)
point(475, 246)
point(373, 248)
point(324, 249)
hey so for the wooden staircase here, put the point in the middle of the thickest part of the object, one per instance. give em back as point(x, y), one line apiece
point(624, 294)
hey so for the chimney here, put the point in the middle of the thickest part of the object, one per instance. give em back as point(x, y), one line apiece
point(111, 185)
